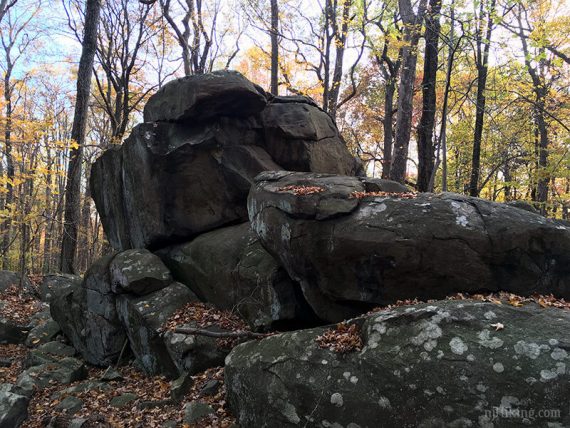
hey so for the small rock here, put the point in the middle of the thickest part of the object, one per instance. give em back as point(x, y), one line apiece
point(210, 388)
point(111, 374)
point(43, 333)
point(123, 399)
point(12, 333)
point(180, 386)
point(195, 411)
point(70, 404)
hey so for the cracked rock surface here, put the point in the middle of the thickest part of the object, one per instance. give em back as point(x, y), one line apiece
point(430, 365)
point(350, 253)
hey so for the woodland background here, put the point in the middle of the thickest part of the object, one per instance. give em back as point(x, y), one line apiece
point(467, 96)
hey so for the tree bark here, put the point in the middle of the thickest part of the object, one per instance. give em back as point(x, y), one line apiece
point(483, 47)
point(412, 29)
point(426, 152)
point(274, 47)
point(78, 130)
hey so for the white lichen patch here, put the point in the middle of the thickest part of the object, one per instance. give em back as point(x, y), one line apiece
point(487, 341)
point(384, 403)
point(428, 330)
point(470, 357)
point(354, 380)
point(530, 350)
point(559, 354)
point(498, 367)
point(457, 346)
point(337, 400)
point(489, 315)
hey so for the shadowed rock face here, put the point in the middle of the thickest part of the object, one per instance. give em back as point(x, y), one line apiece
point(431, 365)
point(229, 268)
point(188, 170)
point(349, 254)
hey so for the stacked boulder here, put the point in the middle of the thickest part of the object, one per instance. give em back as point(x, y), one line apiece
point(178, 186)
point(253, 203)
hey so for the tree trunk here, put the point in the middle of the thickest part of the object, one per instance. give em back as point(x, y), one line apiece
point(426, 152)
point(412, 30)
point(78, 130)
point(390, 90)
point(10, 170)
point(274, 47)
point(483, 47)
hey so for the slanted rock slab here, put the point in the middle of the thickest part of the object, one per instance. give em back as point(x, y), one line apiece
point(429, 365)
point(352, 247)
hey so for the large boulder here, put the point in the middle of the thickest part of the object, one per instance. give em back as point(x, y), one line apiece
point(13, 406)
point(144, 318)
point(169, 182)
point(194, 99)
point(188, 169)
point(88, 317)
point(54, 285)
point(230, 269)
point(351, 250)
point(139, 272)
point(432, 365)
point(300, 136)
point(9, 278)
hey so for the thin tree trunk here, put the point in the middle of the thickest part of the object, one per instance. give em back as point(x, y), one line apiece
point(483, 47)
point(73, 186)
point(426, 149)
point(10, 170)
point(274, 47)
point(412, 31)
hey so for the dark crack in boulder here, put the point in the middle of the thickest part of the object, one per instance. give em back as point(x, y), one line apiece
point(350, 253)
point(431, 365)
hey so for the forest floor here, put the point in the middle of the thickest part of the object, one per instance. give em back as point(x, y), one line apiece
point(153, 405)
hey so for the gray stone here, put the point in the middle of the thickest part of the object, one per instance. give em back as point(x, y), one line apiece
point(88, 385)
point(143, 318)
point(302, 137)
point(70, 405)
point(123, 400)
point(431, 365)
point(64, 371)
point(11, 332)
point(13, 406)
point(88, 317)
point(111, 374)
point(43, 333)
point(8, 279)
point(54, 285)
point(139, 272)
point(351, 254)
point(210, 388)
point(168, 182)
point(181, 386)
point(230, 269)
point(194, 353)
point(196, 410)
point(197, 98)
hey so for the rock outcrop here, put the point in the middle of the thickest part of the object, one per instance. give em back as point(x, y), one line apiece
point(351, 250)
point(229, 268)
point(188, 169)
point(430, 365)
